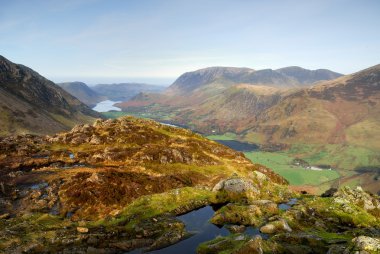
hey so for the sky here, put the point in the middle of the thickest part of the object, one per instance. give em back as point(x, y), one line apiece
point(155, 41)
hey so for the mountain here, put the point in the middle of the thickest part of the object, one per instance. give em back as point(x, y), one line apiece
point(343, 110)
point(228, 76)
point(122, 185)
point(222, 99)
point(82, 92)
point(124, 91)
point(29, 103)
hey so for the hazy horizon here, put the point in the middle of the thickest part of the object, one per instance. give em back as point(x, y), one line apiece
point(92, 81)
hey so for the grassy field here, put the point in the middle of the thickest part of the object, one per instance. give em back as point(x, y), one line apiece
point(282, 164)
point(344, 157)
point(226, 136)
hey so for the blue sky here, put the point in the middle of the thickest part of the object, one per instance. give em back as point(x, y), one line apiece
point(155, 41)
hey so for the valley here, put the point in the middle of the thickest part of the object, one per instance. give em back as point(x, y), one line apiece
point(189, 127)
point(344, 160)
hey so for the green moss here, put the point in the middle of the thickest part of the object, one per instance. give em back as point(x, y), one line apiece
point(157, 204)
point(328, 236)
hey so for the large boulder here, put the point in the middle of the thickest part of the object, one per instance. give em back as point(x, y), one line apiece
point(236, 189)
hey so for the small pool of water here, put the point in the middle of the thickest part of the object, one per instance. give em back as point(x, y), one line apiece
point(197, 223)
point(105, 106)
point(288, 205)
point(38, 186)
point(239, 146)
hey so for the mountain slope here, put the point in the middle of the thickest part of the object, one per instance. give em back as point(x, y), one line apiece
point(29, 103)
point(81, 91)
point(190, 81)
point(343, 110)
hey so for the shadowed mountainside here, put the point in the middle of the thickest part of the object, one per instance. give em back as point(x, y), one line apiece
point(29, 103)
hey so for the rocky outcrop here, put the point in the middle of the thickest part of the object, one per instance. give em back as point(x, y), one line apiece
point(358, 197)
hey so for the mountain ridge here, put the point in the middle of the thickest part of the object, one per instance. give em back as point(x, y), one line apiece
point(32, 104)
point(284, 77)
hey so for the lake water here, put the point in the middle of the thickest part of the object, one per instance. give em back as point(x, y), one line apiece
point(239, 146)
point(197, 222)
point(105, 106)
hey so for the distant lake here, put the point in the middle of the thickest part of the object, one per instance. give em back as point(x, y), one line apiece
point(105, 106)
point(239, 146)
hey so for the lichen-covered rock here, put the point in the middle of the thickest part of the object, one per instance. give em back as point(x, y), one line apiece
point(236, 189)
point(364, 244)
point(274, 227)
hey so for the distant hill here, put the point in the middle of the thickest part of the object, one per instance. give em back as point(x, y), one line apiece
point(29, 103)
point(84, 93)
point(124, 91)
point(228, 76)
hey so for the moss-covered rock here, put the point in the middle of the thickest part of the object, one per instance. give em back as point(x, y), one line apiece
point(245, 214)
